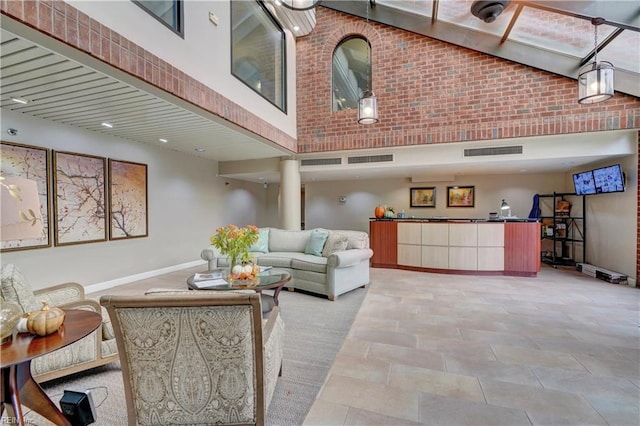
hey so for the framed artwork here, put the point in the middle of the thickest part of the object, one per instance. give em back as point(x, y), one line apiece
point(128, 216)
point(79, 185)
point(24, 190)
point(460, 196)
point(422, 197)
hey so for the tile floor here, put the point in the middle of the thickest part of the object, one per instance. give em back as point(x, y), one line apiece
point(559, 349)
point(562, 348)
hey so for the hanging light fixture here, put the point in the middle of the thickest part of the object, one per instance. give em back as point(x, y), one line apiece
point(595, 80)
point(298, 4)
point(368, 102)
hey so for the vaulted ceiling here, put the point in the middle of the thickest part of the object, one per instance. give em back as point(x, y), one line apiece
point(80, 92)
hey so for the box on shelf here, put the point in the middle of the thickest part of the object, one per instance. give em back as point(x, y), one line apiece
point(563, 208)
point(602, 274)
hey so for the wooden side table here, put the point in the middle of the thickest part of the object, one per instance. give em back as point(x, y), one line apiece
point(18, 386)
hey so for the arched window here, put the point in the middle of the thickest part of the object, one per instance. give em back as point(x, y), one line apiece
point(351, 72)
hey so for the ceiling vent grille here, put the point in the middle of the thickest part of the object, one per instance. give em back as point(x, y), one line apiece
point(370, 159)
point(496, 150)
point(321, 161)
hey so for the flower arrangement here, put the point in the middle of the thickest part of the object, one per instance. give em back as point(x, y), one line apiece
point(234, 242)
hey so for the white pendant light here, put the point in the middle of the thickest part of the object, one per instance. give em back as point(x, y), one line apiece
point(298, 5)
point(368, 108)
point(595, 80)
point(368, 102)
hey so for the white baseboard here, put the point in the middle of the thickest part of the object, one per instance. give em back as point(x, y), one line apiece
point(131, 278)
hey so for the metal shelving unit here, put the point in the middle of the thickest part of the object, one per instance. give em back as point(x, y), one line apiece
point(567, 229)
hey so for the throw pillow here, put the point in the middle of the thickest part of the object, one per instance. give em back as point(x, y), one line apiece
point(316, 242)
point(335, 242)
point(16, 289)
point(263, 241)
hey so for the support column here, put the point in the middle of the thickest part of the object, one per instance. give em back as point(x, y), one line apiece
point(290, 195)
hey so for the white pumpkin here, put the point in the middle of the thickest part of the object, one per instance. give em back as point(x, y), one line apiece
point(247, 269)
point(237, 269)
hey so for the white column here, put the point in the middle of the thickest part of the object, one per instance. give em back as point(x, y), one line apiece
point(290, 195)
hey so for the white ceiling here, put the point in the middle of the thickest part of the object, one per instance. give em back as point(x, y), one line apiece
point(80, 93)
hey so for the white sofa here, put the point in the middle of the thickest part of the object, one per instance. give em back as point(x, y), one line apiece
point(330, 273)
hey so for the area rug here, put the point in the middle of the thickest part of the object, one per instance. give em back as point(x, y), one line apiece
point(315, 329)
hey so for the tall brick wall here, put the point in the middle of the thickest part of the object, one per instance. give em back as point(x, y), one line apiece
point(434, 92)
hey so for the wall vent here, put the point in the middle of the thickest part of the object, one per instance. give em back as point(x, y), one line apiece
point(370, 159)
point(496, 150)
point(321, 161)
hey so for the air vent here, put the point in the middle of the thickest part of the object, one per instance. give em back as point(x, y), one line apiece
point(321, 161)
point(370, 159)
point(495, 150)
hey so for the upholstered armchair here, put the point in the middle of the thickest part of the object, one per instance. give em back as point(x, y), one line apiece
point(197, 357)
point(96, 349)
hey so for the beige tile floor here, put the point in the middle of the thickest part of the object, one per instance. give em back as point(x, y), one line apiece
point(559, 349)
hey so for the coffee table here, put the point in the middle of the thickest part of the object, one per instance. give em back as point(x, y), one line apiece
point(18, 386)
point(272, 279)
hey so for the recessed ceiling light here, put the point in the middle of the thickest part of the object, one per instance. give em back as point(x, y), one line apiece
point(107, 125)
point(22, 101)
point(296, 28)
point(200, 150)
point(261, 178)
point(163, 140)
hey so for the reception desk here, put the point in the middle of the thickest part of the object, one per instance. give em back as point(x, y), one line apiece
point(457, 246)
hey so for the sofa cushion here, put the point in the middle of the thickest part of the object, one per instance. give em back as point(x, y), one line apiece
point(310, 263)
point(262, 245)
point(335, 242)
point(316, 242)
point(16, 289)
point(288, 241)
point(357, 239)
point(277, 260)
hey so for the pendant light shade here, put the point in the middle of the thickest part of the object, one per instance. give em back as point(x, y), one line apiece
point(595, 82)
point(299, 5)
point(368, 108)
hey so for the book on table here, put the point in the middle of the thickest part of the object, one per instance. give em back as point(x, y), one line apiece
point(206, 276)
point(211, 283)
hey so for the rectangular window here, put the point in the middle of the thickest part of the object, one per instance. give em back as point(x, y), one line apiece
point(169, 12)
point(258, 51)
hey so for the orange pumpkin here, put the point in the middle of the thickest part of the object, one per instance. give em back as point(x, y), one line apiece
point(379, 212)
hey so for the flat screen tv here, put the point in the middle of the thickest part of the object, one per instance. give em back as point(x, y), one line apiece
point(584, 183)
point(609, 179)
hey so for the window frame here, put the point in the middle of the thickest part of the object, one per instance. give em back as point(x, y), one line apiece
point(369, 71)
point(180, 19)
point(283, 47)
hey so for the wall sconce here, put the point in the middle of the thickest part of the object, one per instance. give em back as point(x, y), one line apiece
point(21, 218)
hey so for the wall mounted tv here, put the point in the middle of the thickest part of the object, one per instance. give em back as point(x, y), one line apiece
point(599, 181)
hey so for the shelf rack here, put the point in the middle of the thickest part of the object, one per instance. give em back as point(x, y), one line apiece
point(567, 228)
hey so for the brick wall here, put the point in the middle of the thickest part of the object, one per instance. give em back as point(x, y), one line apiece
point(433, 92)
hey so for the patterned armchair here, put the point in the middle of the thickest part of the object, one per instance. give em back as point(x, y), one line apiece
point(96, 349)
point(197, 357)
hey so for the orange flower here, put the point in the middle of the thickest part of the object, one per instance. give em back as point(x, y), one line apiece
point(234, 242)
